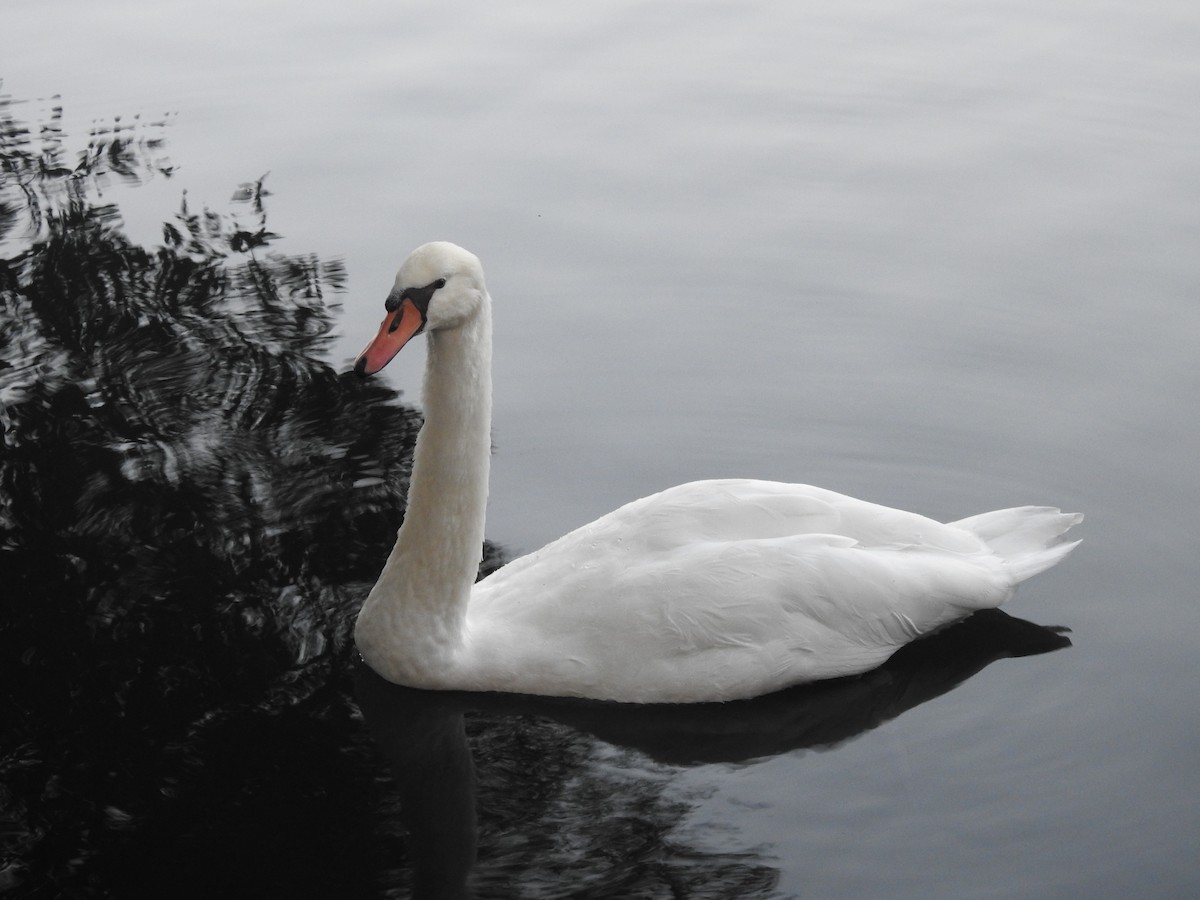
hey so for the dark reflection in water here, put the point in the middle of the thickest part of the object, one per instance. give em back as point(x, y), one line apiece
point(192, 506)
point(191, 501)
point(424, 736)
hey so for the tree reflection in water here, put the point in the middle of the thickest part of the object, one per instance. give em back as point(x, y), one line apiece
point(192, 505)
point(191, 500)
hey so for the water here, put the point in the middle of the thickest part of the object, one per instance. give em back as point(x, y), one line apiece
point(938, 257)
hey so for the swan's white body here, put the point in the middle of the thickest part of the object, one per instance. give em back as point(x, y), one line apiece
point(714, 590)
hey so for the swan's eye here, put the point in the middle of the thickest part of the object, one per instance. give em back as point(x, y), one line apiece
point(420, 297)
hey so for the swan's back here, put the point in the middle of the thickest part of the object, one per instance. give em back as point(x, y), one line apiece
point(727, 589)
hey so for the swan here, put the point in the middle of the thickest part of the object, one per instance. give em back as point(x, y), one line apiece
point(708, 591)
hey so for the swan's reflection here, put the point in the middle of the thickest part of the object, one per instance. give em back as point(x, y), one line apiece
point(423, 733)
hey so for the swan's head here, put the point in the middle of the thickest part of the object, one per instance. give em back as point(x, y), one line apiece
point(440, 285)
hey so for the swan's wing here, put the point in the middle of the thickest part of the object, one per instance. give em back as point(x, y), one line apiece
point(720, 594)
point(721, 618)
point(729, 510)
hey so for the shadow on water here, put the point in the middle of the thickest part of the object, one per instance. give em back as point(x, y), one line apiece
point(192, 506)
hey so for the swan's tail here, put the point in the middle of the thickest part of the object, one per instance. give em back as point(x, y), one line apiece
point(1027, 538)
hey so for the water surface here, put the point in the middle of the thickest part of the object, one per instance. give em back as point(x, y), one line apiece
point(938, 257)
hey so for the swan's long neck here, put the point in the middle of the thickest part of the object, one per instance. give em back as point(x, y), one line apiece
point(413, 619)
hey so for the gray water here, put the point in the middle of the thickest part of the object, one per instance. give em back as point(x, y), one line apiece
point(940, 256)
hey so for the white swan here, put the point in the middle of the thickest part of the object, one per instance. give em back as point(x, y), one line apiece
point(714, 590)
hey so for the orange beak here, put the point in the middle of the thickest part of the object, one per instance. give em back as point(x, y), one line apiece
point(393, 334)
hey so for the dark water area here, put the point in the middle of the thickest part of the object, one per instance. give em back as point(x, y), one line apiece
point(194, 504)
point(186, 491)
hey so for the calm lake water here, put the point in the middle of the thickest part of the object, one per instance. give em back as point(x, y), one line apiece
point(940, 256)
